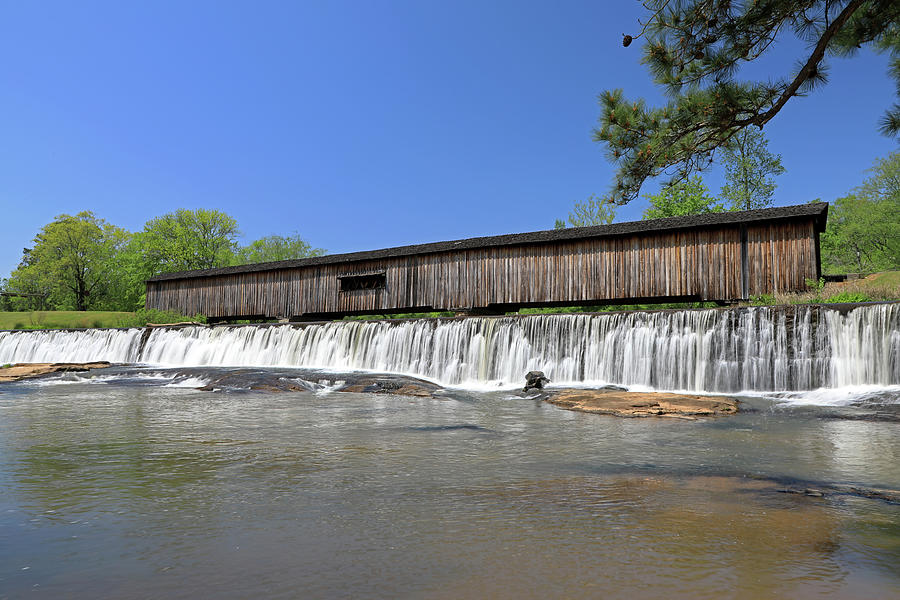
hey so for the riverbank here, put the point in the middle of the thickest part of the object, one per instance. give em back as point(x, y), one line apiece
point(63, 319)
point(88, 319)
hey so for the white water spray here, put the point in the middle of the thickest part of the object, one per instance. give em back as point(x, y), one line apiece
point(59, 345)
point(761, 349)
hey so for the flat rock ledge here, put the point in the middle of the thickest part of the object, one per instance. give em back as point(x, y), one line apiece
point(420, 389)
point(27, 370)
point(263, 380)
point(642, 404)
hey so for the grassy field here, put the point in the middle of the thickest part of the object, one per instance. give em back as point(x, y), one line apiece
point(888, 279)
point(873, 288)
point(70, 319)
point(62, 319)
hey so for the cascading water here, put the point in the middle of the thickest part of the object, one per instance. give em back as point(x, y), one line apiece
point(792, 348)
point(60, 345)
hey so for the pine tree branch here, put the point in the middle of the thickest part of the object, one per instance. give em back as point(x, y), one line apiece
point(811, 65)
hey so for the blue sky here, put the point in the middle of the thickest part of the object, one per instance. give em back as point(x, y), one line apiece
point(358, 125)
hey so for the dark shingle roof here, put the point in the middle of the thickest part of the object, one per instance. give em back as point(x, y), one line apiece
point(817, 210)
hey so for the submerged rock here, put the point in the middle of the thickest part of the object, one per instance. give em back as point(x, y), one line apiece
point(282, 380)
point(19, 371)
point(401, 386)
point(611, 401)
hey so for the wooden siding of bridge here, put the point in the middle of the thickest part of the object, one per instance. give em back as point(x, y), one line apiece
point(725, 263)
point(781, 257)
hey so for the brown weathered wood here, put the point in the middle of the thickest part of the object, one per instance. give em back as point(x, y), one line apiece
point(723, 262)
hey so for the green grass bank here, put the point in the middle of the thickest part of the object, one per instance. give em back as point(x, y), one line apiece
point(73, 319)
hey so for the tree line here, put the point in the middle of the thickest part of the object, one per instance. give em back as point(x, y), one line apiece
point(82, 262)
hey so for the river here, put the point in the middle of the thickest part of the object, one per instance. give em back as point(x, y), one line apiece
point(132, 483)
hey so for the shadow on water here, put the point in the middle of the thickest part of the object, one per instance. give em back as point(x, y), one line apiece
point(440, 428)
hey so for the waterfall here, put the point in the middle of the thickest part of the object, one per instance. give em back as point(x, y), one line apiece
point(61, 345)
point(719, 350)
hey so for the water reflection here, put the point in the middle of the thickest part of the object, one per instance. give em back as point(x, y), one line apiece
point(721, 536)
point(153, 491)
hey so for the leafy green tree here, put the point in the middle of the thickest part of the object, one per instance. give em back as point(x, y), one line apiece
point(695, 48)
point(127, 288)
point(863, 232)
point(749, 167)
point(276, 247)
point(884, 183)
point(29, 289)
point(11, 301)
point(71, 262)
point(689, 197)
point(593, 211)
point(188, 239)
point(862, 236)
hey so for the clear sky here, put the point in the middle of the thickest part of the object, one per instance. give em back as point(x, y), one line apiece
point(357, 124)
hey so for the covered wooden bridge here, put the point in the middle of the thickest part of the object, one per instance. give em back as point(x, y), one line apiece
point(712, 257)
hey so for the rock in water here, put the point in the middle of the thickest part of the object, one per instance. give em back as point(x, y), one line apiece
point(535, 380)
point(27, 370)
point(643, 404)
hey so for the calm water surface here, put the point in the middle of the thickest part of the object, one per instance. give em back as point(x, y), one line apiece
point(132, 489)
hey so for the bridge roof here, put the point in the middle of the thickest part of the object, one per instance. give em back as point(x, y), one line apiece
point(817, 211)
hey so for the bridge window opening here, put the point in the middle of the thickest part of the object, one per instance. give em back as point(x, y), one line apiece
point(371, 281)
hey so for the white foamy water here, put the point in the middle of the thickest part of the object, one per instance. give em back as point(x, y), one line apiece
point(756, 349)
point(88, 377)
point(843, 396)
point(188, 382)
point(56, 345)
